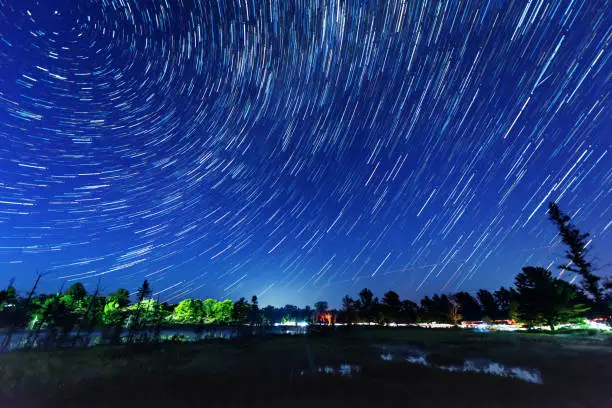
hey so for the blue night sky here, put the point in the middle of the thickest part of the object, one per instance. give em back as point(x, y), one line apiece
point(300, 149)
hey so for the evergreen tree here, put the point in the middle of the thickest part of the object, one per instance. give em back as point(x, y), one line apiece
point(349, 310)
point(392, 306)
point(76, 291)
point(321, 306)
point(545, 300)
point(122, 296)
point(468, 306)
point(255, 314)
point(143, 292)
point(366, 305)
point(489, 306)
point(409, 312)
point(240, 314)
point(576, 251)
point(504, 299)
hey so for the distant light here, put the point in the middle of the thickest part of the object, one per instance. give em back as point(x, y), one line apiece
point(592, 324)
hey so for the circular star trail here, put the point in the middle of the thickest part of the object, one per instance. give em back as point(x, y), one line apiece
point(299, 149)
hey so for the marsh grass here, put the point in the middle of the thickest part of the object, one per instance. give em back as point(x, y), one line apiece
point(265, 372)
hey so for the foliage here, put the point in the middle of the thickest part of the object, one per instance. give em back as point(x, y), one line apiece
point(122, 296)
point(143, 291)
point(222, 311)
point(366, 305)
point(113, 314)
point(76, 291)
point(209, 310)
point(255, 317)
point(468, 307)
point(189, 311)
point(240, 314)
point(409, 312)
point(438, 309)
point(321, 306)
point(537, 299)
point(576, 251)
point(349, 310)
point(504, 299)
point(488, 303)
point(392, 306)
point(545, 300)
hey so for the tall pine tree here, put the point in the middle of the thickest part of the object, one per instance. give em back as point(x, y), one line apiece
point(576, 253)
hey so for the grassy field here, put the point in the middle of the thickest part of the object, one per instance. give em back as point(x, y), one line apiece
point(274, 372)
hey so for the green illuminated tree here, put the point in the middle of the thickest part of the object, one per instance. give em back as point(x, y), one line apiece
point(113, 314)
point(209, 307)
point(122, 296)
point(223, 311)
point(189, 311)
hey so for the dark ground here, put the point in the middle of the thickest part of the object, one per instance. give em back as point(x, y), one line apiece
point(265, 372)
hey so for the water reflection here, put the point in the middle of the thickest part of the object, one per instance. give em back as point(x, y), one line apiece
point(418, 356)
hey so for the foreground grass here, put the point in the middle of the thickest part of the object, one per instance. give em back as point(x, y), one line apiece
point(266, 372)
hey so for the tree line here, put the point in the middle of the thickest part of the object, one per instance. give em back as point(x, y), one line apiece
point(536, 299)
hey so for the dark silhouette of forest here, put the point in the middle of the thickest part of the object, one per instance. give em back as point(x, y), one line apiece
point(69, 318)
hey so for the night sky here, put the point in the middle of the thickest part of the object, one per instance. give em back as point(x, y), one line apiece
point(300, 149)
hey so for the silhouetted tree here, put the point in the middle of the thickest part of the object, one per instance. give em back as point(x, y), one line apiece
point(143, 292)
point(437, 309)
point(489, 306)
point(378, 311)
point(9, 306)
point(122, 296)
point(366, 304)
point(454, 311)
point(160, 315)
point(469, 308)
point(8, 297)
point(504, 299)
point(545, 300)
point(241, 311)
point(255, 314)
point(409, 311)
point(429, 310)
point(349, 310)
point(291, 311)
point(321, 306)
point(576, 252)
point(77, 291)
point(392, 306)
point(607, 299)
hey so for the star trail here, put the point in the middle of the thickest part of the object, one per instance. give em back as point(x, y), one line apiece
point(303, 149)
